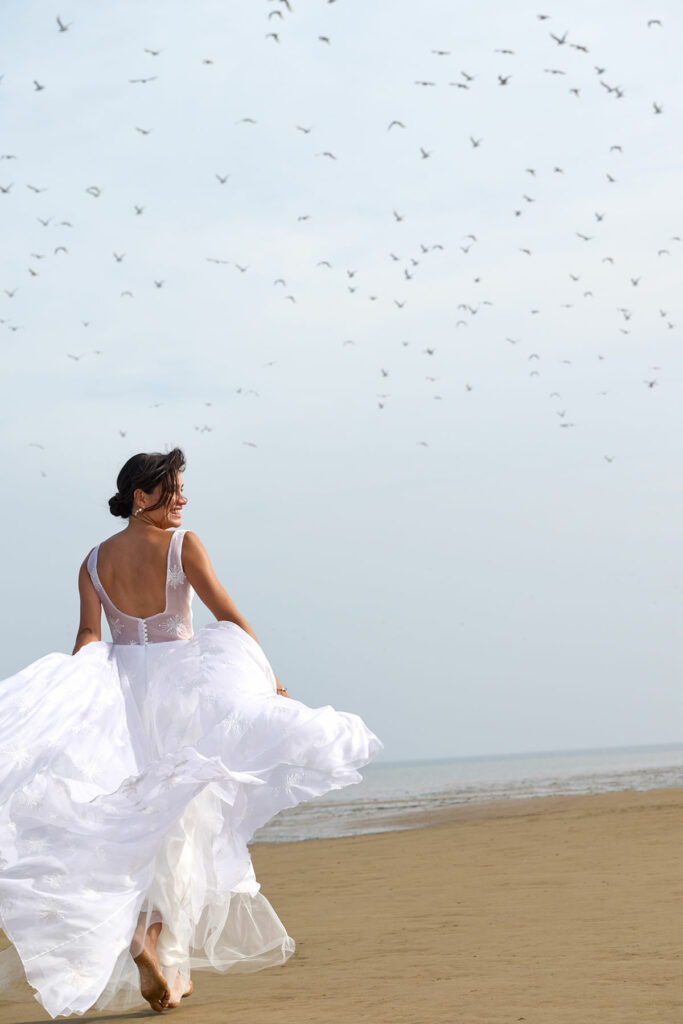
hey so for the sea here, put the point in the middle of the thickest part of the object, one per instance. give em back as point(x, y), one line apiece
point(394, 795)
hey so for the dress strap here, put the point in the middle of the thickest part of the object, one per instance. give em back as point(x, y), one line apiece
point(176, 576)
point(91, 566)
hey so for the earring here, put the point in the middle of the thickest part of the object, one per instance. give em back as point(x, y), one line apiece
point(137, 511)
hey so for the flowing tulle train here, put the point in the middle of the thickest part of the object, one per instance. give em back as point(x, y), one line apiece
point(133, 777)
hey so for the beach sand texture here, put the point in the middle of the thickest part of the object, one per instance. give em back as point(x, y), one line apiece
point(547, 910)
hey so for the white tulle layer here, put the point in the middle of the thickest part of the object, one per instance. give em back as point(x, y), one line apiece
point(131, 780)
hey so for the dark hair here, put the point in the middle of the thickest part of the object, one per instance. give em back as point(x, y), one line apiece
point(146, 471)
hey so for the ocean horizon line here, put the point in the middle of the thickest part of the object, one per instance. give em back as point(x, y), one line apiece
point(524, 753)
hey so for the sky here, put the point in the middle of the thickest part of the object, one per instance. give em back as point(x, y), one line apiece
point(426, 374)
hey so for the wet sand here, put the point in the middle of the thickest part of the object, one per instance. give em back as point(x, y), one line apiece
point(547, 910)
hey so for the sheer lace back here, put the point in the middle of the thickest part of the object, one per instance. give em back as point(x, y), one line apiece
point(174, 623)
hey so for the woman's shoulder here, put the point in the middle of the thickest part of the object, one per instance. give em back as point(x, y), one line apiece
point(115, 537)
point(191, 543)
point(194, 554)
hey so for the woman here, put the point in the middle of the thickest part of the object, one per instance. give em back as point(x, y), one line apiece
point(134, 773)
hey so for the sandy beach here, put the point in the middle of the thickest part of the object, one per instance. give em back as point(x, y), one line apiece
point(545, 910)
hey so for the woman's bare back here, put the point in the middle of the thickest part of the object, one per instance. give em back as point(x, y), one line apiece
point(132, 566)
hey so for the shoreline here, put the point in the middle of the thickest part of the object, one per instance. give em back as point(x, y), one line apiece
point(471, 810)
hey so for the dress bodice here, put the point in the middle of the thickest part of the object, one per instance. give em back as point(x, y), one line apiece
point(174, 623)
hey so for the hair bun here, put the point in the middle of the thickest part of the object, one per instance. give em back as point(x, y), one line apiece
point(119, 507)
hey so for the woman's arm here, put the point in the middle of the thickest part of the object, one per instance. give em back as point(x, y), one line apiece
point(199, 571)
point(211, 592)
point(90, 626)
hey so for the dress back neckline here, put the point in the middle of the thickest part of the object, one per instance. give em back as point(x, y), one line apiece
point(173, 623)
point(139, 618)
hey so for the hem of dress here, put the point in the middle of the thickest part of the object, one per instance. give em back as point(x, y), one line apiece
point(73, 938)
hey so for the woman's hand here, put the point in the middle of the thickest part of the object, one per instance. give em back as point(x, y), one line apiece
point(281, 691)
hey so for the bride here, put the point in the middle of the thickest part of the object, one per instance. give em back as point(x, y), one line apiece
point(134, 773)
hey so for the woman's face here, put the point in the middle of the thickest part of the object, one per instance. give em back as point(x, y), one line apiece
point(167, 516)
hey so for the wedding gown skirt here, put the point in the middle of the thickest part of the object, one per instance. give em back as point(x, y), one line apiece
point(132, 777)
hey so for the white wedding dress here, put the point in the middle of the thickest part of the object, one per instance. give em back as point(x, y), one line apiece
point(132, 776)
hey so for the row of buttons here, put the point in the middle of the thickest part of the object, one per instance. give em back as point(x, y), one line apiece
point(145, 638)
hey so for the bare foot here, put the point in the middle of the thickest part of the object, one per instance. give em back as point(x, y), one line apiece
point(176, 992)
point(152, 982)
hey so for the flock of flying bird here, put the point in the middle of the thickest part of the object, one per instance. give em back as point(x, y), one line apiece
point(466, 82)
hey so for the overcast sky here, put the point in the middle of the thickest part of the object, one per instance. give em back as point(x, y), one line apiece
point(440, 475)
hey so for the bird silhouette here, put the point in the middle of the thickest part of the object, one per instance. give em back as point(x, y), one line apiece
point(62, 26)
